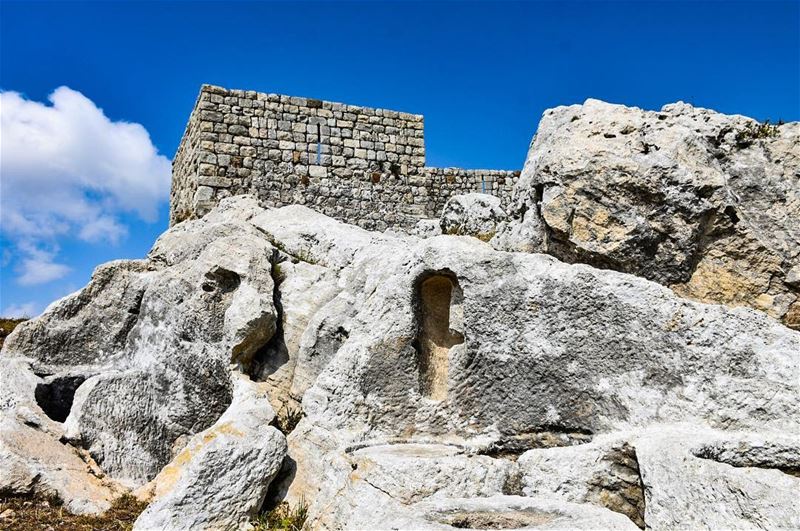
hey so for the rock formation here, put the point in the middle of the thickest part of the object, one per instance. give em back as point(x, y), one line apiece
point(703, 202)
point(439, 382)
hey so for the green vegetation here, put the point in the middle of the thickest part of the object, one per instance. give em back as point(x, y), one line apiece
point(756, 131)
point(282, 517)
point(277, 273)
point(28, 514)
point(7, 326)
point(304, 255)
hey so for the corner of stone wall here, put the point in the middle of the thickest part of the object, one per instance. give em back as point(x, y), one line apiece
point(188, 197)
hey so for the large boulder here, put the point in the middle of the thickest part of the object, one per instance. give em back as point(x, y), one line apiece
point(604, 472)
point(451, 337)
point(473, 214)
point(699, 201)
point(220, 478)
point(33, 462)
point(726, 481)
point(201, 301)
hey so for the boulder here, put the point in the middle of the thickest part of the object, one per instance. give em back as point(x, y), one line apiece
point(426, 228)
point(301, 290)
point(495, 512)
point(201, 301)
point(699, 201)
point(33, 463)
point(473, 214)
point(450, 337)
point(220, 478)
point(450, 342)
point(32, 460)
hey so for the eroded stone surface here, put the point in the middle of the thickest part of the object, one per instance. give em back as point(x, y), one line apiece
point(201, 301)
point(220, 478)
point(700, 201)
point(721, 496)
point(604, 472)
point(414, 396)
point(477, 215)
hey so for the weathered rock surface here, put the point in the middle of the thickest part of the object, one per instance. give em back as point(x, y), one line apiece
point(302, 289)
point(426, 228)
point(423, 368)
point(696, 200)
point(201, 301)
point(719, 496)
point(604, 472)
point(533, 352)
point(220, 478)
point(496, 512)
point(477, 215)
point(32, 460)
point(633, 351)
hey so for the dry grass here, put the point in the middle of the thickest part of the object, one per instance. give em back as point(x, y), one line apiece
point(287, 418)
point(26, 514)
point(282, 517)
point(7, 326)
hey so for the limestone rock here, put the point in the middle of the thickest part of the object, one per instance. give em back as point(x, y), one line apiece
point(88, 329)
point(202, 300)
point(220, 478)
point(424, 367)
point(679, 472)
point(426, 228)
point(301, 290)
point(497, 512)
point(524, 350)
point(411, 472)
point(633, 352)
point(477, 215)
point(32, 462)
point(604, 472)
point(690, 198)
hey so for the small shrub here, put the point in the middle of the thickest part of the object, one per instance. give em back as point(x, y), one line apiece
point(282, 517)
point(278, 275)
point(287, 418)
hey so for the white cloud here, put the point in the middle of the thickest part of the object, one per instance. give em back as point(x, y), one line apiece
point(38, 266)
point(66, 169)
point(27, 309)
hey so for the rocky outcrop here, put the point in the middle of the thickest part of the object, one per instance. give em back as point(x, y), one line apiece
point(32, 460)
point(605, 472)
point(696, 200)
point(634, 354)
point(441, 384)
point(203, 300)
point(477, 215)
point(220, 478)
point(677, 473)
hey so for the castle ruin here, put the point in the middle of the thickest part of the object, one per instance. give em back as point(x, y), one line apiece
point(357, 164)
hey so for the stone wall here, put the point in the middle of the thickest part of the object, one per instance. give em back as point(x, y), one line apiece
point(361, 165)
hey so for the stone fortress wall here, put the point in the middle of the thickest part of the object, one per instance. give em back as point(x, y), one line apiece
point(360, 165)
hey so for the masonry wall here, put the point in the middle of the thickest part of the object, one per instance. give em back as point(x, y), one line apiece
point(360, 165)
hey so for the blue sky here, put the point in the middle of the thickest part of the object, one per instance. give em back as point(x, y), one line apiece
point(481, 73)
